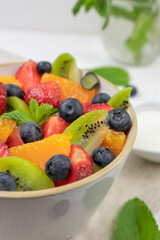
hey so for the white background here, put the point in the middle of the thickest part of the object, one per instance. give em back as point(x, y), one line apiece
point(47, 15)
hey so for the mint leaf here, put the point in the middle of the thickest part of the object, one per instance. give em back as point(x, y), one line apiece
point(42, 112)
point(18, 116)
point(136, 222)
point(88, 5)
point(139, 35)
point(116, 76)
point(77, 6)
point(33, 105)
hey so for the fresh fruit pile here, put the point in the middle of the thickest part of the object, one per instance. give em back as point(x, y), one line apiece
point(55, 126)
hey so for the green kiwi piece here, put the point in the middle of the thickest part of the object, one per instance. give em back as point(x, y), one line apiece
point(89, 81)
point(88, 130)
point(15, 103)
point(66, 66)
point(121, 99)
point(27, 175)
point(96, 167)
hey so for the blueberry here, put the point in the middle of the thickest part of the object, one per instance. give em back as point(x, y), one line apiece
point(70, 109)
point(31, 132)
point(102, 156)
point(58, 167)
point(134, 90)
point(119, 120)
point(100, 98)
point(43, 67)
point(7, 182)
point(14, 90)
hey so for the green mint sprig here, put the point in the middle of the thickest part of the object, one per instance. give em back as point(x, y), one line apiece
point(37, 114)
point(141, 15)
point(18, 116)
point(136, 222)
point(103, 8)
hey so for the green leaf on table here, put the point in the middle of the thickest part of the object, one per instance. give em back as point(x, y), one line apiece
point(18, 116)
point(117, 76)
point(136, 222)
point(42, 112)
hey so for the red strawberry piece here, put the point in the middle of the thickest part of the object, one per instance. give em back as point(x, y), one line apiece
point(14, 138)
point(99, 106)
point(48, 92)
point(27, 74)
point(55, 125)
point(86, 106)
point(4, 150)
point(82, 166)
point(3, 98)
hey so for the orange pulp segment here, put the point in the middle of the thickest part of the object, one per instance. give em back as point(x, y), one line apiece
point(114, 140)
point(40, 152)
point(6, 127)
point(10, 80)
point(70, 89)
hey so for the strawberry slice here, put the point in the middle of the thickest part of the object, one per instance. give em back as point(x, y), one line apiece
point(4, 151)
point(86, 105)
point(3, 98)
point(55, 125)
point(99, 106)
point(27, 75)
point(14, 138)
point(48, 92)
point(82, 166)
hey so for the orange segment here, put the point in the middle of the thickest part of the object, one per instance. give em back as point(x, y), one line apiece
point(10, 80)
point(39, 152)
point(70, 89)
point(115, 141)
point(6, 127)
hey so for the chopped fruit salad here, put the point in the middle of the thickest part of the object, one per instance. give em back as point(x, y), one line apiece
point(56, 128)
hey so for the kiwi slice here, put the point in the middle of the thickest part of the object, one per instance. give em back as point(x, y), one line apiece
point(89, 81)
point(66, 66)
point(15, 103)
point(88, 130)
point(27, 175)
point(121, 99)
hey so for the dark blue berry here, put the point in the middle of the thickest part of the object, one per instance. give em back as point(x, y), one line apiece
point(70, 109)
point(102, 156)
point(31, 132)
point(43, 67)
point(7, 182)
point(100, 98)
point(14, 90)
point(119, 120)
point(58, 167)
point(133, 91)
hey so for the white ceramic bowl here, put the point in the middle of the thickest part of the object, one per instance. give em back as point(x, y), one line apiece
point(59, 213)
point(147, 144)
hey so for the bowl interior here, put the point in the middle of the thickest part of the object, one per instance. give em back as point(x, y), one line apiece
point(105, 86)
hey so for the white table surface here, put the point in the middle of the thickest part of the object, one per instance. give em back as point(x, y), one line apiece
point(139, 178)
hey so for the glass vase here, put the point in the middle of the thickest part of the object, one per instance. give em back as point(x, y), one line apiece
point(133, 33)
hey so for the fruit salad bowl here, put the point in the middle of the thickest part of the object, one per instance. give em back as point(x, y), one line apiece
point(59, 213)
